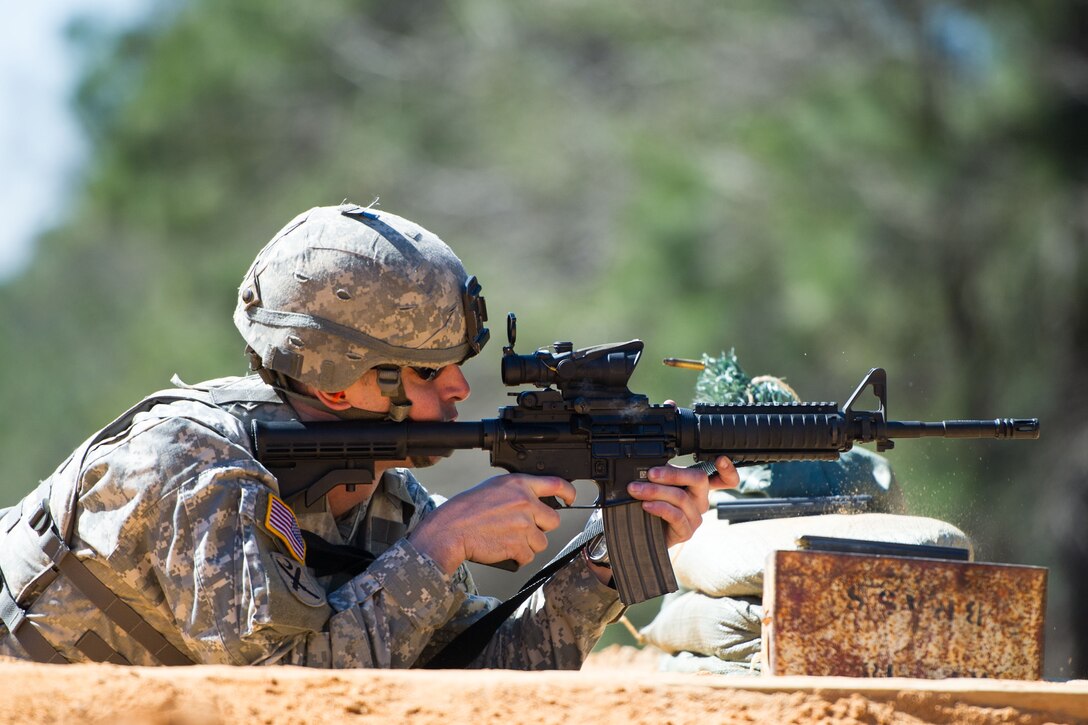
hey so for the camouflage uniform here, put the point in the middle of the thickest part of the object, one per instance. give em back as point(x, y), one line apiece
point(170, 514)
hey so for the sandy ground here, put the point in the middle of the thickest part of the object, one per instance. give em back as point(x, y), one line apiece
point(616, 686)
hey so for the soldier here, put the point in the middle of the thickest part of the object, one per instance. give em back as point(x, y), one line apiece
point(162, 540)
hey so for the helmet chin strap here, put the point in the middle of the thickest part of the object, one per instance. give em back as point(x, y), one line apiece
point(392, 386)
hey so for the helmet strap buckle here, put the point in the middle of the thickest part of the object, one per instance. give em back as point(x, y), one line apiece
point(391, 386)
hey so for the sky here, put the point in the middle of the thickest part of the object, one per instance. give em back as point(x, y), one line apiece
point(40, 143)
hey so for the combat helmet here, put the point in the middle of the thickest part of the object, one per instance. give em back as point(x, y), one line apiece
point(340, 290)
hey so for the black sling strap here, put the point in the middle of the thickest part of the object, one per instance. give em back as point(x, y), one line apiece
point(467, 646)
point(326, 558)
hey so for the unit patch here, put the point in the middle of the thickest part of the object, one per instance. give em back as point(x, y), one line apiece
point(281, 522)
point(300, 581)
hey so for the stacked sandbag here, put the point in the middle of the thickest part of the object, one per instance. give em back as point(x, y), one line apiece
point(702, 633)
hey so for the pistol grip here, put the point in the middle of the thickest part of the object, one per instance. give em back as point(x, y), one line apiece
point(637, 553)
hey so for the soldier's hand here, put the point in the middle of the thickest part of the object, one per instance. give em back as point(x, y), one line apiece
point(500, 519)
point(680, 496)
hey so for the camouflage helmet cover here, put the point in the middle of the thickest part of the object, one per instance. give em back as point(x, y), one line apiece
point(341, 290)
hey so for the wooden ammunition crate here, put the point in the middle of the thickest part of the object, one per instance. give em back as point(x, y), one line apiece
point(859, 615)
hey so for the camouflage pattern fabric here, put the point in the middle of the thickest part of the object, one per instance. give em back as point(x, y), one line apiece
point(172, 515)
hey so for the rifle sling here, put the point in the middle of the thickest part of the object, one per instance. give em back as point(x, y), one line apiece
point(326, 558)
point(467, 646)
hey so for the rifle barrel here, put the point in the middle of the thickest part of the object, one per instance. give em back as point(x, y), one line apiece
point(1021, 428)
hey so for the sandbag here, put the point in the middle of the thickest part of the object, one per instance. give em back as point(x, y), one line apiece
point(690, 662)
point(725, 627)
point(727, 560)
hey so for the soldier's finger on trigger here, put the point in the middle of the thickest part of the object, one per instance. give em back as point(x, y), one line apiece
point(545, 486)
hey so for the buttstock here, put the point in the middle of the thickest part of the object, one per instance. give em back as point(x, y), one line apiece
point(637, 552)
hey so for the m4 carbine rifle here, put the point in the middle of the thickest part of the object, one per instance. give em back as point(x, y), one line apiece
point(583, 423)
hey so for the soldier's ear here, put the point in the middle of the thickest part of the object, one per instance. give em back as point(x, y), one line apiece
point(335, 401)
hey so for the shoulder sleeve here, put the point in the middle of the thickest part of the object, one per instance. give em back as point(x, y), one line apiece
point(238, 591)
point(174, 509)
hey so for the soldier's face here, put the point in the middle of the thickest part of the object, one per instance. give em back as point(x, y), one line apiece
point(434, 399)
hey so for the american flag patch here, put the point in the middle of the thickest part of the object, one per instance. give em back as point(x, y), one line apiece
point(281, 522)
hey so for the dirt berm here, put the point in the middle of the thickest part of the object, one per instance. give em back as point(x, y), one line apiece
point(614, 687)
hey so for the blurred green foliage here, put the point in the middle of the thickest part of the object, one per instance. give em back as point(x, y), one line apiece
point(825, 186)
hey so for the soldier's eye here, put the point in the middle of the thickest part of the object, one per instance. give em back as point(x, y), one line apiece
point(426, 374)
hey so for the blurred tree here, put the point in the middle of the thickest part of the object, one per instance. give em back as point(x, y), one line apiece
point(826, 187)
